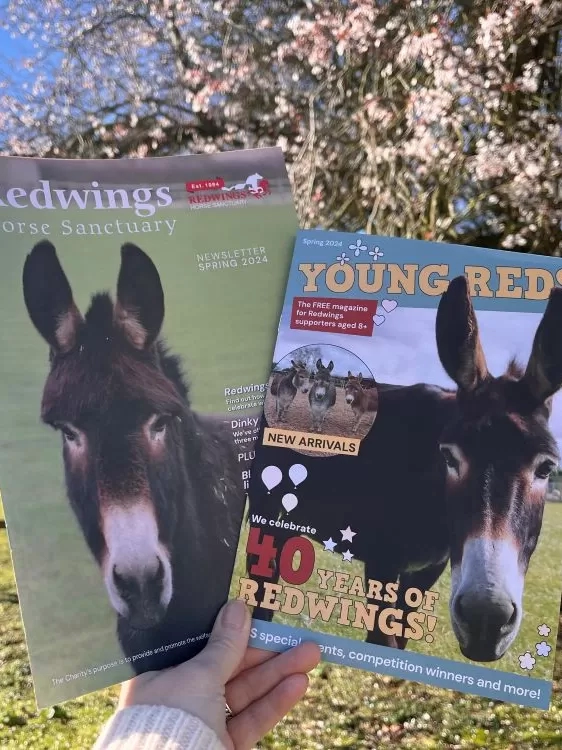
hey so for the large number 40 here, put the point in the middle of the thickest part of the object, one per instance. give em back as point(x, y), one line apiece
point(266, 551)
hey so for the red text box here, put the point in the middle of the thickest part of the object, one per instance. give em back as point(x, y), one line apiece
point(330, 315)
point(198, 185)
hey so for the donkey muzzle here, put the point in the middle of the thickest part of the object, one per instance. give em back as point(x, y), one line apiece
point(486, 621)
point(137, 568)
point(142, 595)
point(486, 603)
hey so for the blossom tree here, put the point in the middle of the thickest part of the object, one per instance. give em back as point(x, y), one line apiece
point(411, 117)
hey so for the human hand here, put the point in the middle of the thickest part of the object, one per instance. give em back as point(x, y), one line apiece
point(259, 686)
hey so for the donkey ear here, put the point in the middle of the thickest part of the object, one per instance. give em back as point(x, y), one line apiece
point(140, 300)
point(293, 363)
point(318, 364)
point(330, 366)
point(458, 341)
point(48, 298)
point(544, 370)
point(349, 374)
point(360, 377)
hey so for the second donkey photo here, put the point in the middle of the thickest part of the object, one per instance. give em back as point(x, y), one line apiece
point(404, 503)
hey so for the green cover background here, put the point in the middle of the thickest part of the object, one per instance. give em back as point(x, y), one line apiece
point(222, 323)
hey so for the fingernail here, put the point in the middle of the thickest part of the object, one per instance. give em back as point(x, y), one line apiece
point(234, 614)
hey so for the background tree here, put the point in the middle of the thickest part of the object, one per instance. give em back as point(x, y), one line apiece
point(438, 120)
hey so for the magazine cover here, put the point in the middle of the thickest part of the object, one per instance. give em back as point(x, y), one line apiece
point(139, 305)
point(404, 504)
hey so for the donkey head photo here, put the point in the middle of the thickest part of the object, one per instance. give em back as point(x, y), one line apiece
point(322, 379)
point(299, 376)
point(285, 387)
point(137, 475)
point(361, 400)
point(322, 395)
point(353, 387)
point(499, 453)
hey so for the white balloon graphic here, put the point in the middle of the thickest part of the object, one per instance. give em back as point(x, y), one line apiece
point(271, 476)
point(289, 502)
point(298, 474)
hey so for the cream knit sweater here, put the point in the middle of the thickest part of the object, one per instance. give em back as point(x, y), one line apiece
point(156, 728)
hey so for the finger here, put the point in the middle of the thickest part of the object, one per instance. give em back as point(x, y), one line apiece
point(252, 684)
point(228, 642)
point(248, 727)
point(253, 657)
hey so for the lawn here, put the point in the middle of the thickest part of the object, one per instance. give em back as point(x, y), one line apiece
point(343, 709)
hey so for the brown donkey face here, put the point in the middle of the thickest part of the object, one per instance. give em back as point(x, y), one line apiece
point(120, 421)
point(322, 379)
point(498, 454)
point(300, 378)
point(353, 387)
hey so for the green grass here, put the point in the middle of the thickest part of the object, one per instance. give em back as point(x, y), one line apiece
point(344, 708)
point(73, 725)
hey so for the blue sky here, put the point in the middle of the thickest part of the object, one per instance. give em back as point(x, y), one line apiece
point(12, 50)
point(8, 45)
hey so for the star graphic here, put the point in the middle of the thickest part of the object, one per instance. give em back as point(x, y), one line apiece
point(543, 649)
point(543, 630)
point(347, 556)
point(329, 544)
point(347, 534)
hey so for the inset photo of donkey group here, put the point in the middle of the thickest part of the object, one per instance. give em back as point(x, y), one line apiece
point(322, 389)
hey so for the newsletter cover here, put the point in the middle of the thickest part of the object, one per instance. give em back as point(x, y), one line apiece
point(139, 305)
point(404, 504)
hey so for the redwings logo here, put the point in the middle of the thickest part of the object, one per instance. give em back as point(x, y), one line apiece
point(254, 186)
point(257, 186)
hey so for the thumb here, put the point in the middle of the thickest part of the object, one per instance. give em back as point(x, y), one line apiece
point(228, 641)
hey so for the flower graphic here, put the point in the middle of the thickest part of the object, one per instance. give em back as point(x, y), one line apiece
point(543, 630)
point(526, 661)
point(342, 259)
point(358, 247)
point(543, 649)
point(376, 252)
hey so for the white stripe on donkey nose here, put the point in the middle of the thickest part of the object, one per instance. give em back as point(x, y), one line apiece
point(133, 550)
point(490, 565)
point(492, 560)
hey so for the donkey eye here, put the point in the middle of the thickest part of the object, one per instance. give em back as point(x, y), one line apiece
point(544, 469)
point(449, 458)
point(158, 427)
point(68, 434)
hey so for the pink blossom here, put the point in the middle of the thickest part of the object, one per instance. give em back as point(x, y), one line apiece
point(380, 108)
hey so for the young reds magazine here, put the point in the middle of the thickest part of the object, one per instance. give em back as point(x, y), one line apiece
point(404, 504)
point(139, 303)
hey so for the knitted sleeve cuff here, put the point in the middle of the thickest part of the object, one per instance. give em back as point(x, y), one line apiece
point(156, 728)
